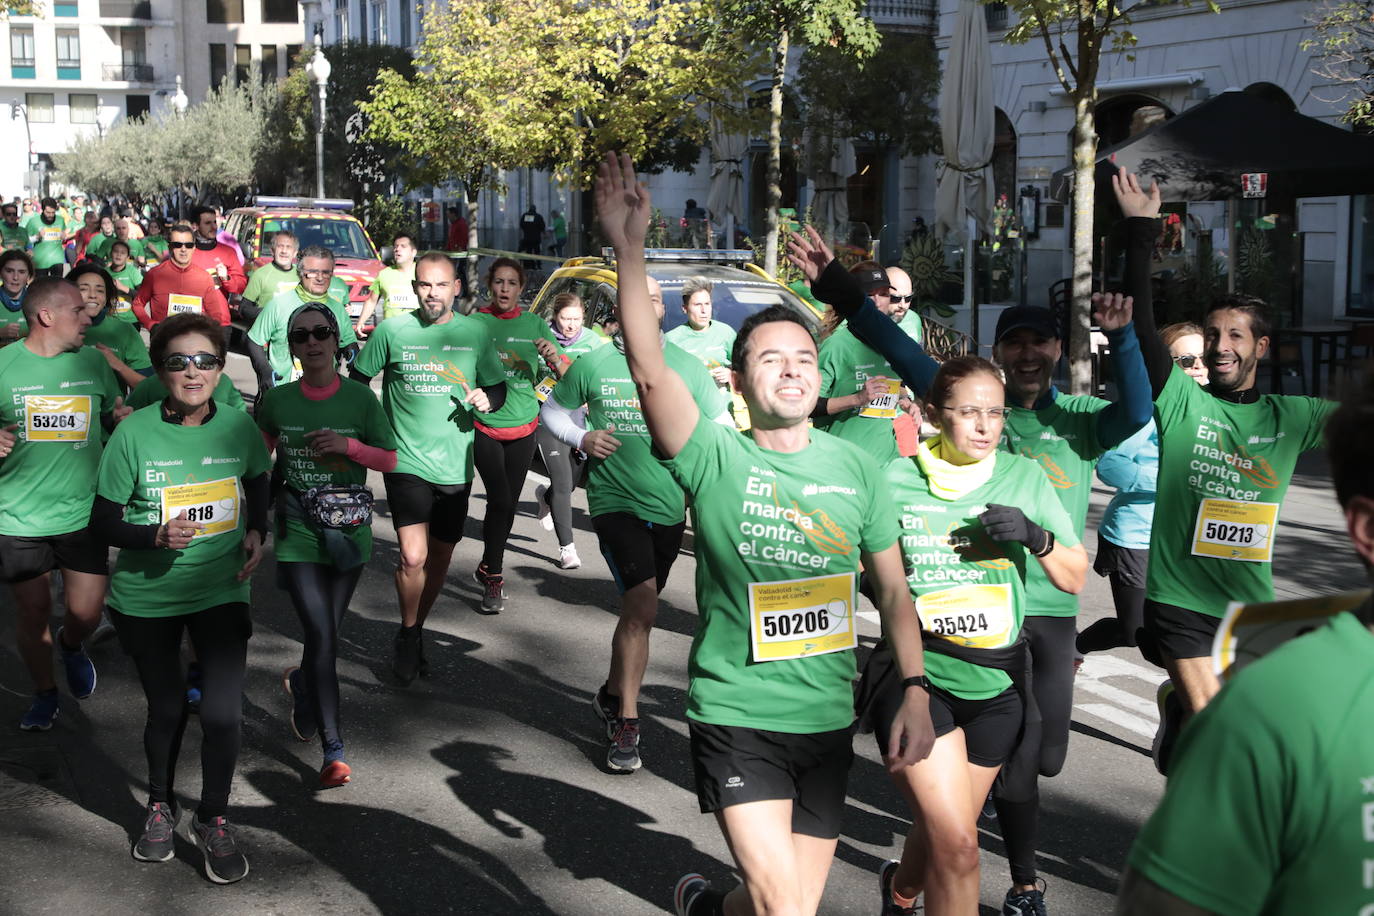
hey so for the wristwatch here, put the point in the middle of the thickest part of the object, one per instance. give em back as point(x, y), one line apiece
point(919, 680)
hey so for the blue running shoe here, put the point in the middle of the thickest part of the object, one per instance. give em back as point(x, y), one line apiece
point(41, 713)
point(80, 670)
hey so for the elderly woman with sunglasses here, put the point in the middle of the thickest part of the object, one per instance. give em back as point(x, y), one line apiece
point(328, 432)
point(183, 492)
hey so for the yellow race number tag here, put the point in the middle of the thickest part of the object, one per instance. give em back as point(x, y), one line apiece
point(800, 618)
point(977, 616)
point(181, 304)
point(545, 388)
point(57, 419)
point(884, 406)
point(1232, 530)
point(214, 504)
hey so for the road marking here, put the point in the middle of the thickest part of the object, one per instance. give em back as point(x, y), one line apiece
point(1123, 708)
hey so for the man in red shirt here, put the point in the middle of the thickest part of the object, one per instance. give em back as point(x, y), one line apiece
point(86, 233)
point(220, 261)
point(457, 231)
point(178, 285)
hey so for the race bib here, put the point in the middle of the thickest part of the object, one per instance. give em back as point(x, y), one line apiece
point(1230, 530)
point(976, 616)
point(297, 370)
point(57, 419)
point(740, 410)
point(545, 388)
point(123, 306)
point(801, 617)
point(403, 302)
point(884, 406)
point(1248, 632)
point(180, 303)
point(214, 504)
point(51, 234)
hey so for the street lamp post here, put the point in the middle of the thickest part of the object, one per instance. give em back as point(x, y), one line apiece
point(179, 100)
point(18, 110)
point(318, 70)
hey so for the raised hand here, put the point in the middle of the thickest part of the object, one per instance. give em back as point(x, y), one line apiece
point(1133, 200)
point(810, 255)
point(623, 205)
point(1112, 311)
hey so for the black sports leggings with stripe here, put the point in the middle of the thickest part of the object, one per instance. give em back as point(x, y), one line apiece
point(321, 593)
point(503, 466)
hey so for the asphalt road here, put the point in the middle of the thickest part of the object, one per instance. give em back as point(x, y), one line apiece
point(483, 789)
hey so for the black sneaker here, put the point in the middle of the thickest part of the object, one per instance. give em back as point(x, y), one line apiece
point(607, 709)
point(408, 652)
point(885, 875)
point(303, 723)
point(1170, 724)
point(493, 590)
point(224, 864)
point(623, 754)
point(1024, 903)
point(156, 843)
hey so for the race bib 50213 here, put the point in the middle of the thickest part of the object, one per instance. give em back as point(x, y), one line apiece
point(1232, 530)
point(800, 618)
point(214, 504)
point(57, 419)
point(977, 616)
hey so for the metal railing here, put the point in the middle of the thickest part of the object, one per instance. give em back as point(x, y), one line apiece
point(996, 14)
point(904, 15)
point(128, 73)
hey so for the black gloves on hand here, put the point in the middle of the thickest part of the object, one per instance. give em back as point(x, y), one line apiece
point(1008, 523)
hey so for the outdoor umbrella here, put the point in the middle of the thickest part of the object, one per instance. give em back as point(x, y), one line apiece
point(726, 199)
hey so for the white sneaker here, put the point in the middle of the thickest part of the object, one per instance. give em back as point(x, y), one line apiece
point(541, 507)
point(568, 558)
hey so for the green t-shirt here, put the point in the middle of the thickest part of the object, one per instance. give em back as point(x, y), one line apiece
point(152, 391)
point(631, 480)
point(268, 282)
point(155, 245)
point(13, 238)
point(100, 246)
point(156, 469)
point(1062, 439)
point(845, 364)
point(1223, 471)
point(287, 414)
point(1269, 808)
point(122, 307)
point(124, 339)
point(47, 483)
point(270, 327)
point(585, 343)
point(783, 532)
point(423, 369)
point(711, 345)
point(13, 316)
point(47, 240)
point(396, 290)
point(912, 324)
point(513, 339)
point(967, 587)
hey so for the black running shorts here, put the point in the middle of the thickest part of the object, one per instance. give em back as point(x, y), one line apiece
point(636, 550)
point(1129, 565)
point(1174, 632)
point(734, 766)
point(415, 501)
point(24, 558)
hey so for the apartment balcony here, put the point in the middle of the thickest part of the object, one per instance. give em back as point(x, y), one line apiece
point(126, 9)
point(127, 73)
point(904, 16)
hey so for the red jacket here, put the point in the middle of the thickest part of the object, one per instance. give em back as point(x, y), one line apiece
point(207, 258)
point(151, 301)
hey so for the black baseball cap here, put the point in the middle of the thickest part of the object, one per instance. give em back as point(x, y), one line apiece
point(1038, 319)
point(871, 278)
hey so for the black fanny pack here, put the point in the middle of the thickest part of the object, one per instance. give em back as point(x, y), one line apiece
point(338, 506)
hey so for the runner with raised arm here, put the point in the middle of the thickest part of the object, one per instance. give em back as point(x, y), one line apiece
point(783, 519)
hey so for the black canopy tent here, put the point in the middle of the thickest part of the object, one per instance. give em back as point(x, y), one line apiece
point(1202, 153)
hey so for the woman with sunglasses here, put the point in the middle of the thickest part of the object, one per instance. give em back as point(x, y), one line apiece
point(504, 442)
point(119, 341)
point(327, 432)
point(183, 492)
point(973, 519)
point(1123, 535)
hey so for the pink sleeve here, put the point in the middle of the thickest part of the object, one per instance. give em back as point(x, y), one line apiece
point(371, 457)
point(269, 440)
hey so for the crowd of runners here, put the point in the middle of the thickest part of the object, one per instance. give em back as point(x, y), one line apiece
point(120, 428)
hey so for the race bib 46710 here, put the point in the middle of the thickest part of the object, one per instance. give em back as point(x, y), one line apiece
point(800, 618)
point(1232, 530)
point(57, 419)
point(181, 304)
point(214, 504)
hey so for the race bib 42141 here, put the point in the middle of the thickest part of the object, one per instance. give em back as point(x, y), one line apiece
point(800, 618)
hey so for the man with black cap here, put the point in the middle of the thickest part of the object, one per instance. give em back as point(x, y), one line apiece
point(1066, 435)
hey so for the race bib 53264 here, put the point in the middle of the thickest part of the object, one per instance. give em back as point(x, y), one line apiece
point(800, 618)
point(57, 419)
point(1232, 530)
point(977, 616)
point(884, 406)
point(214, 504)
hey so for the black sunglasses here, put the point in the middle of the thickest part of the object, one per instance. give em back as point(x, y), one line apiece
point(319, 332)
point(181, 244)
point(176, 362)
point(907, 298)
point(1188, 361)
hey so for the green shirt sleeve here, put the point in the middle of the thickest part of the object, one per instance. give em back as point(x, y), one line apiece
point(828, 358)
point(265, 326)
point(570, 391)
point(1317, 413)
point(228, 395)
point(377, 428)
point(117, 477)
point(489, 368)
point(256, 282)
point(709, 452)
point(133, 351)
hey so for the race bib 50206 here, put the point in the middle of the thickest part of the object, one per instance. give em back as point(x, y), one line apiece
point(801, 617)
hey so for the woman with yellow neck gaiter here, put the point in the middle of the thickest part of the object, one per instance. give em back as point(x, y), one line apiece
point(973, 517)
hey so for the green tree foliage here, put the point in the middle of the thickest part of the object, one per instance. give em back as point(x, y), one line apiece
point(778, 25)
point(1344, 41)
point(19, 8)
point(887, 101)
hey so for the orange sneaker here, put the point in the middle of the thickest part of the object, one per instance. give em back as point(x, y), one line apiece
point(335, 774)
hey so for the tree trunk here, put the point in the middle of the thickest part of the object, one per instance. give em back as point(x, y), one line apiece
point(774, 177)
point(470, 200)
point(1080, 311)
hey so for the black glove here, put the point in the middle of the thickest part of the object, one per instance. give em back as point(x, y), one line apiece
point(1008, 523)
point(838, 288)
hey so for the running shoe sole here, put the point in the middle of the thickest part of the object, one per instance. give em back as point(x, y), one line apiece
point(335, 774)
point(688, 888)
point(295, 728)
point(1162, 746)
point(171, 845)
point(885, 886)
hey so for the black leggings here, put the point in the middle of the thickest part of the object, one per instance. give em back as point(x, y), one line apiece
point(1121, 630)
point(564, 473)
point(219, 636)
point(503, 466)
point(321, 593)
point(1051, 646)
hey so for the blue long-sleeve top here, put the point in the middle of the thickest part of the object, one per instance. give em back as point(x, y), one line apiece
point(1132, 468)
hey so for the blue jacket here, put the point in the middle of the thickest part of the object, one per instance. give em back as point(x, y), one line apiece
point(1132, 467)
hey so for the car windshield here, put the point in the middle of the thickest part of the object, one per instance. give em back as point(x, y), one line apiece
point(344, 237)
point(735, 294)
